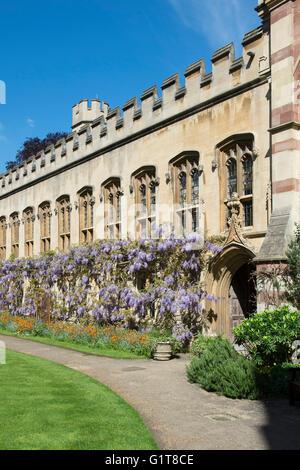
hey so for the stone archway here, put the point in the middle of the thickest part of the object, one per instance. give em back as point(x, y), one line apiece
point(227, 279)
point(242, 296)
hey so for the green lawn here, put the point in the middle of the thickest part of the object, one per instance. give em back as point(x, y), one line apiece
point(47, 406)
point(108, 352)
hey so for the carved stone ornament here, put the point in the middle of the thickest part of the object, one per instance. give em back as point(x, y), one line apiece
point(235, 223)
point(234, 234)
point(234, 205)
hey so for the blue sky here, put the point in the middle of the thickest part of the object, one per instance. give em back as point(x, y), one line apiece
point(55, 53)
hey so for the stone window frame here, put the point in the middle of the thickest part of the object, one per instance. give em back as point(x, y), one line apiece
point(113, 193)
point(3, 229)
point(14, 222)
point(186, 214)
point(63, 208)
point(238, 148)
point(44, 214)
point(28, 221)
point(86, 202)
point(145, 185)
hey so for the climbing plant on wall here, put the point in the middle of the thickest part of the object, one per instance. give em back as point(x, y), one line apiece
point(119, 281)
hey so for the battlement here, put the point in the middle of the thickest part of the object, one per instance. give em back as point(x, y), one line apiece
point(83, 113)
point(97, 129)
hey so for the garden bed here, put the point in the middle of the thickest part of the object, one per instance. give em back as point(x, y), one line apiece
point(109, 341)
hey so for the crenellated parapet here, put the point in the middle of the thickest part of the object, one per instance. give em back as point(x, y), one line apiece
point(97, 129)
point(82, 113)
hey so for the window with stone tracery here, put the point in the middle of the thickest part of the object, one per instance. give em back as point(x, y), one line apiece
point(64, 223)
point(145, 186)
point(112, 208)
point(185, 172)
point(45, 226)
point(28, 218)
point(15, 227)
point(86, 215)
point(3, 228)
point(237, 158)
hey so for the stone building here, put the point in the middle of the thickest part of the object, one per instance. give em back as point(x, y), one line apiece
point(217, 154)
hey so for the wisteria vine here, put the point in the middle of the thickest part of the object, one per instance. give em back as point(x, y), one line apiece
point(120, 281)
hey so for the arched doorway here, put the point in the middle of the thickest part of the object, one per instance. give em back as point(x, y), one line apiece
point(242, 296)
point(229, 279)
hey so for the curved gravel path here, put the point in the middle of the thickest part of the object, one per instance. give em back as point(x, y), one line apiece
point(180, 415)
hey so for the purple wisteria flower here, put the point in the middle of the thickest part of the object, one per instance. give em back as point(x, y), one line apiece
point(101, 280)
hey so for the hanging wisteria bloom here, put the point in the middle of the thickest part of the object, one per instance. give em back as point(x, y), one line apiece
point(113, 281)
point(182, 333)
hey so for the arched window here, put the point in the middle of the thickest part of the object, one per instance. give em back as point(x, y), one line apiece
point(64, 222)
point(185, 171)
point(232, 177)
point(145, 184)
point(182, 188)
point(195, 187)
point(3, 228)
point(15, 225)
point(247, 175)
point(236, 154)
point(112, 208)
point(28, 230)
point(45, 226)
point(86, 215)
point(143, 199)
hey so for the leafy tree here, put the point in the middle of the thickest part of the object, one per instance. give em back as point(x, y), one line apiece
point(32, 146)
point(292, 278)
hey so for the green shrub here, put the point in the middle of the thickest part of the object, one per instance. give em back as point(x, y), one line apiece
point(268, 336)
point(200, 344)
point(238, 379)
point(220, 369)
